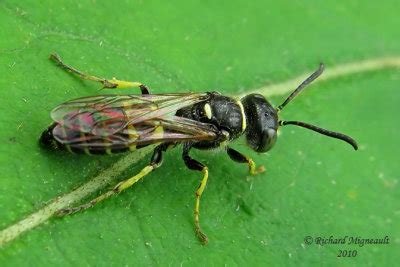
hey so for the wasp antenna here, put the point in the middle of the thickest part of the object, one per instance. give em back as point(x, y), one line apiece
point(306, 82)
point(314, 128)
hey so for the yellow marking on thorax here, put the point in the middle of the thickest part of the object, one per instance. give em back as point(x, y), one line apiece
point(207, 111)
point(244, 123)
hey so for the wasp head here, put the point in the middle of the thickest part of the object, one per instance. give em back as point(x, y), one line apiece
point(262, 119)
point(262, 122)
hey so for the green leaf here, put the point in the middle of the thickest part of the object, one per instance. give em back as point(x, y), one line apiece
point(313, 185)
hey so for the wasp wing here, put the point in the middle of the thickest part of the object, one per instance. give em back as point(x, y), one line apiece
point(105, 115)
point(165, 129)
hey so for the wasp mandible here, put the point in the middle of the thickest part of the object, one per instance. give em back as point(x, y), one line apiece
point(108, 124)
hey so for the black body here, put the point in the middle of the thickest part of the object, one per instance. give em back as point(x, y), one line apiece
point(230, 118)
point(224, 113)
point(117, 123)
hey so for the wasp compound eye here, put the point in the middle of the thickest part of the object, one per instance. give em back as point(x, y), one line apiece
point(262, 122)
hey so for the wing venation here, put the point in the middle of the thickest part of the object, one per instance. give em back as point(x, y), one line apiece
point(111, 121)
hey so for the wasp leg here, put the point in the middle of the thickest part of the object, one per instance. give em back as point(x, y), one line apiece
point(239, 157)
point(195, 165)
point(110, 84)
point(155, 162)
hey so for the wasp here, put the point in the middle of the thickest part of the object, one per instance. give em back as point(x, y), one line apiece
point(108, 124)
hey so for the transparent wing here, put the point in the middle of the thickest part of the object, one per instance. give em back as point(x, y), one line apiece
point(166, 129)
point(106, 115)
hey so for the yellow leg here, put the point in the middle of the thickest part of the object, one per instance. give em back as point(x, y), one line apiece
point(110, 84)
point(252, 167)
point(239, 157)
point(199, 192)
point(117, 189)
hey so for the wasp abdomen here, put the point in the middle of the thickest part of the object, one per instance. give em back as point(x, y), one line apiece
point(48, 140)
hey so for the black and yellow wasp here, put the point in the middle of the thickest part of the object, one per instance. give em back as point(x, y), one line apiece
point(108, 124)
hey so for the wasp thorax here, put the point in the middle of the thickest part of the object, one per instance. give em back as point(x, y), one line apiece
point(262, 122)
